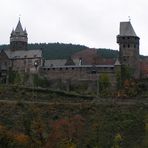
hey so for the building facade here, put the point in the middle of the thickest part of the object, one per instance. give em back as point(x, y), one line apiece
point(18, 57)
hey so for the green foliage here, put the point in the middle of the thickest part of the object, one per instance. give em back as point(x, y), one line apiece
point(117, 141)
point(108, 53)
point(127, 73)
point(17, 78)
point(64, 51)
point(104, 85)
point(40, 81)
point(118, 79)
point(57, 50)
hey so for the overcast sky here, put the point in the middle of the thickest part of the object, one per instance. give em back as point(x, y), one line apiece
point(94, 23)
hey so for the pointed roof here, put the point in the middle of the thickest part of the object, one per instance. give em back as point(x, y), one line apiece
point(117, 63)
point(126, 29)
point(69, 61)
point(19, 27)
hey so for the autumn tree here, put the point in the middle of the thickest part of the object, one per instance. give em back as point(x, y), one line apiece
point(66, 132)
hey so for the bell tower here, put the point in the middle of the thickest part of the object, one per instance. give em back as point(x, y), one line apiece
point(18, 38)
point(129, 48)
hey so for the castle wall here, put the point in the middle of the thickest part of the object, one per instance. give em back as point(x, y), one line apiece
point(66, 76)
point(75, 73)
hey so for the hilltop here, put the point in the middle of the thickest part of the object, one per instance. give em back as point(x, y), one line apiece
point(64, 51)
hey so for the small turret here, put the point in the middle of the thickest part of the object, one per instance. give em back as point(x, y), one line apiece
point(18, 38)
point(117, 66)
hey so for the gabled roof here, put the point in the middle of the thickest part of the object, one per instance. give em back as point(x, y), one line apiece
point(20, 54)
point(126, 29)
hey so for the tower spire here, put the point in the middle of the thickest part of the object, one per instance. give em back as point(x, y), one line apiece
point(18, 38)
point(129, 18)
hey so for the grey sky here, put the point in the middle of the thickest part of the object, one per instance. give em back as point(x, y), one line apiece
point(94, 23)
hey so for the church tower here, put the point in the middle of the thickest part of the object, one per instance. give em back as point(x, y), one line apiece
point(129, 48)
point(18, 38)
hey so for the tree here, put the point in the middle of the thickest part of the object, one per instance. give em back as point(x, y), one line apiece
point(117, 141)
point(104, 85)
point(66, 132)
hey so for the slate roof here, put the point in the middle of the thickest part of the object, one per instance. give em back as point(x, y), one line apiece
point(126, 29)
point(20, 54)
point(19, 27)
point(59, 62)
point(19, 30)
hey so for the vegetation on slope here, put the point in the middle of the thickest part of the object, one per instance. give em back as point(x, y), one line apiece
point(73, 125)
point(64, 51)
point(108, 53)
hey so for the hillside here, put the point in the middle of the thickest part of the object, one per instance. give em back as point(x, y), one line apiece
point(63, 51)
point(55, 121)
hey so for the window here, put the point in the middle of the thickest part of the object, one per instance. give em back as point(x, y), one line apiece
point(123, 45)
point(93, 72)
point(124, 60)
point(128, 46)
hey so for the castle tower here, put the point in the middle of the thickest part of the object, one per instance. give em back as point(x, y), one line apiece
point(129, 48)
point(18, 38)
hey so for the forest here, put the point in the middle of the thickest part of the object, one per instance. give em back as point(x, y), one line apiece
point(64, 51)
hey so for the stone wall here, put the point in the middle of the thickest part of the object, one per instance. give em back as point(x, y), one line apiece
point(72, 77)
point(25, 65)
point(76, 73)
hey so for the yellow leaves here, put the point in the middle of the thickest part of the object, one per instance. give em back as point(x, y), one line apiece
point(117, 140)
point(71, 145)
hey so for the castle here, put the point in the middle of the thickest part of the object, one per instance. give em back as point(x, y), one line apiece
point(20, 58)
